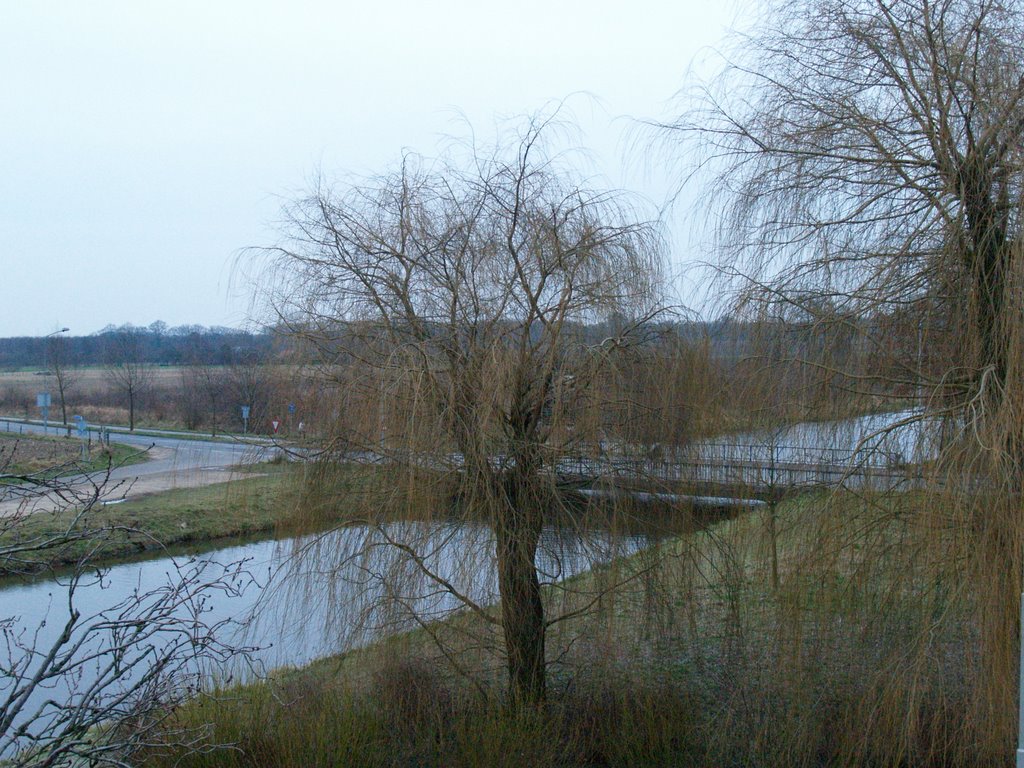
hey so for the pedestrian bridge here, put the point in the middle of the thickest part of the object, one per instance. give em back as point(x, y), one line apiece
point(742, 470)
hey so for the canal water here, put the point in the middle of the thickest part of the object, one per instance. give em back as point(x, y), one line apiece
point(290, 600)
point(881, 439)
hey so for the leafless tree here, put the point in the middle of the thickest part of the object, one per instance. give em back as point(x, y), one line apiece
point(213, 384)
point(93, 683)
point(868, 158)
point(246, 381)
point(869, 153)
point(191, 399)
point(451, 293)
point(127, 368)
point(59, 362)
point(205, 385)
point(205, 393)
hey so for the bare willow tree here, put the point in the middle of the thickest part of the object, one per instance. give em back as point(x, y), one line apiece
point(868, 158)
point(870, 153)
point(456, 290)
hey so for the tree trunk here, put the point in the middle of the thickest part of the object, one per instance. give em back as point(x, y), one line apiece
point(998, 521)
point(988, 265)
point(517, 528)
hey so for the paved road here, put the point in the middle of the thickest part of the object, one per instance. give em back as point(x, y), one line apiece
point(174, 463)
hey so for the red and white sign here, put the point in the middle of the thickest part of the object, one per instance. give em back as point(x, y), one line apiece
point(275, 424)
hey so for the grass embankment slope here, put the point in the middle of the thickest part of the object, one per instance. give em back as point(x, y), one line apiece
point(44, 458)
point(262, 499)
point(859, 656)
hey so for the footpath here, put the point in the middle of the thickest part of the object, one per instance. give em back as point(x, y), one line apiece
point(176, 460)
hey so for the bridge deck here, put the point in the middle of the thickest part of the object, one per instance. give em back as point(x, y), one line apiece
point(753, 475)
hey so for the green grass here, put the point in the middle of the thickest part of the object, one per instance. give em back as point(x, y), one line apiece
point(855, 658)
point(44, 458)
point(264, 501)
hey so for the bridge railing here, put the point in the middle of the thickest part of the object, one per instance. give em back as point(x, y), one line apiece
point(761, 453)
point(755, 466)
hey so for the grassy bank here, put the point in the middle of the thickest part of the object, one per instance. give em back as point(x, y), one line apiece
point(263, 500)
point(44, 457)
point(862, 653)
point(418, 719)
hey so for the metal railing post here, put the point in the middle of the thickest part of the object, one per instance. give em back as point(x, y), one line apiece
point(1020, 683)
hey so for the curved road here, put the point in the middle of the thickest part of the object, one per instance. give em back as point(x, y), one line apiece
point(175, 462)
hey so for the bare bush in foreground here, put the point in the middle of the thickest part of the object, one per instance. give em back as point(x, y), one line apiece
point(90, 679)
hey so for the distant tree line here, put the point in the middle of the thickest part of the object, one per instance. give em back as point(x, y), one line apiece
point(158, 344)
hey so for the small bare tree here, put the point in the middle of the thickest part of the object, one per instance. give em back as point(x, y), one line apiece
point(127, 368)
point(246, 381)
point(452, 294)
point(59, 361)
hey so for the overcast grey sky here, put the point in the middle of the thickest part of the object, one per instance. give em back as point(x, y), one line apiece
point(143, 145)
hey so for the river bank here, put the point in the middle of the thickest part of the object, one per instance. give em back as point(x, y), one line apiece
point(256, 499)
point(690, 656)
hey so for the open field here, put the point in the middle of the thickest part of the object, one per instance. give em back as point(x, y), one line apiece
point(90, 378)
